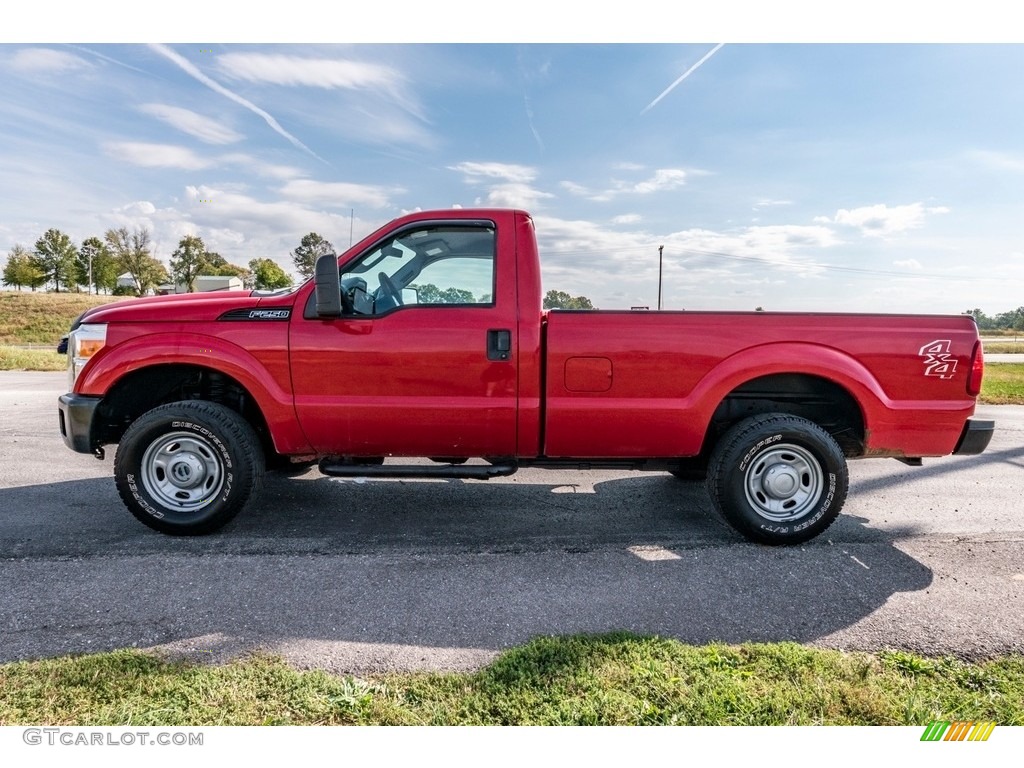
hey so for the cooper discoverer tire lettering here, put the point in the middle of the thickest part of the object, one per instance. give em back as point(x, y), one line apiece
point(778, 479)
point(188, 468)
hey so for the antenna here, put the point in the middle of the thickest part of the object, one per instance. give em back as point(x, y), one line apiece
point(660, 249)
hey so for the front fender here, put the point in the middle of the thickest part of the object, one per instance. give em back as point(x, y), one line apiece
point(111, 364)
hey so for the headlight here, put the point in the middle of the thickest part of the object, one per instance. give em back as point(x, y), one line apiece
point(83, 342)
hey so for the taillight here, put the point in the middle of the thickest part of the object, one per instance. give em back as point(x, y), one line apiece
point(977, 371)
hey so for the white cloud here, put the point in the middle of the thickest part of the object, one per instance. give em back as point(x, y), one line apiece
point(702, 268)
point(881, 220)
point(626, 218)
point(1000, 161)
point(237, 225)
point(47, 61)
point(138, 208)
point(335, 194)
point(513, 189)
point(575, 189)
point(156, 155)
point(189, 68)
point(261, 168)
point(201, 127)
point(913, 264)
point(507, 171)
point(516, 196)
point(663, 180)
point(317, 73)
point(767, 202)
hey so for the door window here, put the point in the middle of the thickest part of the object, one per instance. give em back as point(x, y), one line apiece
point(437, 265)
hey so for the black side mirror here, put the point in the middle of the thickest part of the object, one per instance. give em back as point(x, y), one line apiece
point(328, 290)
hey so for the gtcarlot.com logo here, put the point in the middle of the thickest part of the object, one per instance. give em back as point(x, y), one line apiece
point(944, 730)
point(81, 737)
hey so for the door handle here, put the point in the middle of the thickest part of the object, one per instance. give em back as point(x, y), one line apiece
point(499, 344)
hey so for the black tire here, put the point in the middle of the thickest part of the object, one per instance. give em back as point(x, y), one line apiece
point(188, 468)
point(778, 479)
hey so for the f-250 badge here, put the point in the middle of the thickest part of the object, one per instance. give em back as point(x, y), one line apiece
point(938, 359)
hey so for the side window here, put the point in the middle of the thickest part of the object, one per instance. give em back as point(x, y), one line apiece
point(449, 264)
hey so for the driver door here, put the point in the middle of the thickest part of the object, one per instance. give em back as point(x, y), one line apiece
point(413, 368)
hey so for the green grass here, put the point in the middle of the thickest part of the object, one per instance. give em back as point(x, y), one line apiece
point(615, 679)
point(42, 318)
point(1004, 347)
point(14, 359)
point(1003, 384)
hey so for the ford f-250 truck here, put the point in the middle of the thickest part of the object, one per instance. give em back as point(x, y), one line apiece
point(427, 339)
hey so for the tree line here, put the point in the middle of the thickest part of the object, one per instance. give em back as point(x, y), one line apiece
point(1005, 321)
point(98, 263)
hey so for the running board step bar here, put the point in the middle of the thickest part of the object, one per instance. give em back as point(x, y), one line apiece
point(449, 471)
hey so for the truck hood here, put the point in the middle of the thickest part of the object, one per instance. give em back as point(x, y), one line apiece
point(185, 307)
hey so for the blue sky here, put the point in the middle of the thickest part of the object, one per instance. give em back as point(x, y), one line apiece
point(853, 177)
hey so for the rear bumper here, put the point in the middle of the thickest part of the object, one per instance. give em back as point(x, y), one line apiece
point(975, 437)
point(76, 414)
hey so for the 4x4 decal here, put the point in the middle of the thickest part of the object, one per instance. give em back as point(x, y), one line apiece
point(938, 359)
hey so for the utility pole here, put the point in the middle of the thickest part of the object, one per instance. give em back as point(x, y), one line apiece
point(660, 249)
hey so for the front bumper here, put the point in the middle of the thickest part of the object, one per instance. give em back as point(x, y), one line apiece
point(76, 415)
point(975, 437)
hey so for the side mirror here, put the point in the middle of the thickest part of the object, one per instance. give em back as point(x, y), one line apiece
point(328, 289)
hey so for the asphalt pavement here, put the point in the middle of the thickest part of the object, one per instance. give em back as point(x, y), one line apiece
point(366, 576)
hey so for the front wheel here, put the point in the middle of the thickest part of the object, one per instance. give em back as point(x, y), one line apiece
point(188, 468)
point(778, 479)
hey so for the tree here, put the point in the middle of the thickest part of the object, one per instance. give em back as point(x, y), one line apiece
point(55, 257)
point(217, 265)
point(431, 294)
point(311, 248)
point(21, 270)
point(105, 267)
point(131, 249)
point(188, 261)
point(985, 323)
point(562, 300)
point(267, 274)
point(1012, 320)
point(94, 256)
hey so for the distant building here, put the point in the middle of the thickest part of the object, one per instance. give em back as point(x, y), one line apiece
point(201, 284)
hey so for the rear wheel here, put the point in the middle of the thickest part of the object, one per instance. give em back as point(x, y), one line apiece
point(778, 479)
point(188, 468)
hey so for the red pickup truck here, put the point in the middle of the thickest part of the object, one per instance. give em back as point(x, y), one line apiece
point(427, 339)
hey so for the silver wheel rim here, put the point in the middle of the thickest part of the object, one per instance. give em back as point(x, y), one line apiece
point(783, 482)
point(183, 472)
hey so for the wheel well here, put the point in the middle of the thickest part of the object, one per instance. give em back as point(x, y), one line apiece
point(824, 402)
point(145, 389)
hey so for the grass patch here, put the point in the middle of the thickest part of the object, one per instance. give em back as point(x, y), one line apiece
point(1004, 347)
point(614, 679)
point(1003, 384)
point(13, 359)
point(42, 318)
